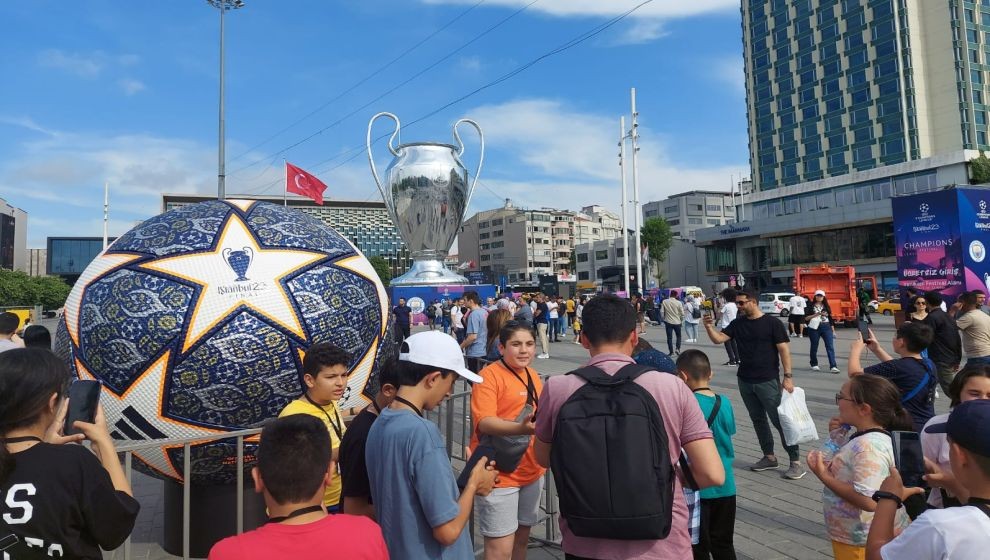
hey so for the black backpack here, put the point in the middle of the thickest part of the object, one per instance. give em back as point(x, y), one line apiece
point(610, 460)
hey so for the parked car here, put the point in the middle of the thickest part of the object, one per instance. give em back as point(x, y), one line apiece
point(775, 303)
point(889, 307)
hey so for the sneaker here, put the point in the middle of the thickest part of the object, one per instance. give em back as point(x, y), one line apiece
point(543, 356)
point(764, 464)
point(577, 342)
point(815, 368)
point(834, 370)
point(795, 472)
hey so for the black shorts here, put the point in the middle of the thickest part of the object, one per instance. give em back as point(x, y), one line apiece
point(795, 319)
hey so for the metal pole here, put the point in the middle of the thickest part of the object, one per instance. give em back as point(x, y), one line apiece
point(625, 230)
point(186, 484)
point(240, 484)
point(636, 208)
point(106, 212)
point(221, 194)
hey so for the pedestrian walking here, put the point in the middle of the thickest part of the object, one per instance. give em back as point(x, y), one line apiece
point(946, 347)
point(475, 340)
point(541, 316)
point(820, 327)
point(692, 316)
point(764, 348)
point(403, 319)
point(727, 314)
point(673, 318)
point(974, 326)
point(795, 315)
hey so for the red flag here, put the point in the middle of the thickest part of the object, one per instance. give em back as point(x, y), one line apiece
point(301, 182)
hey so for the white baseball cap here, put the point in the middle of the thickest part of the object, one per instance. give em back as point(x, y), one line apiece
point(439, 350)
point(820, 293)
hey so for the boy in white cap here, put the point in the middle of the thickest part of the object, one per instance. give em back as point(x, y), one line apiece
point(412, 483)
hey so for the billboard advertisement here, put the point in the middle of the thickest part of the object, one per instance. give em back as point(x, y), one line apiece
point(418, 297)
point(928, 243)
point(974, 226)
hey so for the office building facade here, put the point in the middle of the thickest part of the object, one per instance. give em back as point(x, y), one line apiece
point(521, 244)
point(13, 237)
point(690, 211)
point(365, 224)
point(850, 103)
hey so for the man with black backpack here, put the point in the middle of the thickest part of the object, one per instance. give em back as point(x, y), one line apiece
point(612, 432)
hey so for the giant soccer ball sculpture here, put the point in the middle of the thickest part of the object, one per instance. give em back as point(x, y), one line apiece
point(196, 322)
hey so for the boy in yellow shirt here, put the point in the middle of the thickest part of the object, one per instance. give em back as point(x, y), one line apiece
point(324, 377)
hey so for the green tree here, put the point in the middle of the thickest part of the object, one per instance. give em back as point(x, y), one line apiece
point(979, 169)
point(382, 268)
point(17, 288)
point(658, 238)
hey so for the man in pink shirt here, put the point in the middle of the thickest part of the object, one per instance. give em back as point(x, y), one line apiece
point(609, 334)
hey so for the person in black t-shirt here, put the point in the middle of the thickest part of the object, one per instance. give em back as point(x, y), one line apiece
point(915, 378)
point(356, 492)
point(946, 347)
point(763, 347)
point(68, 501)
point(403, 319)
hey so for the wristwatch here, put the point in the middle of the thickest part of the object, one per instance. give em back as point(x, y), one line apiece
point(884, 495)
point(788, 375)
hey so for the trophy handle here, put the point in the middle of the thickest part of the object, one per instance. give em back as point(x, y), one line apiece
point(226, 253)
point(250, 254)
point(481, 157)
point(374, 171)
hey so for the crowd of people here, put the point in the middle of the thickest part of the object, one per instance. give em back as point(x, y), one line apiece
point(378, 482)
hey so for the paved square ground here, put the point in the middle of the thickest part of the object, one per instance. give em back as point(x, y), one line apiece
point(776, 518)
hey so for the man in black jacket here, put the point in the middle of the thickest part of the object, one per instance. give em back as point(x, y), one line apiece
point(946, 347)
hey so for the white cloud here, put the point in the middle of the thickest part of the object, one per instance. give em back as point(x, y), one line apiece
point(643, 31)
point(562, 158)
point(28, 123)
point(84, 65)
point(609, 8)
point(131, 86)
point(729, 70)
point(470, 63)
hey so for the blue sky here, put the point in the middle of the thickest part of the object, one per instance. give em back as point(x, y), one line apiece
point(126, 92)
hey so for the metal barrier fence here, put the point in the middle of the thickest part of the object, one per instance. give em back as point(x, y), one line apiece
point(452, 417)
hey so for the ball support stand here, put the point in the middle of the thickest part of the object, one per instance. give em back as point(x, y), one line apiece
point(212, 515)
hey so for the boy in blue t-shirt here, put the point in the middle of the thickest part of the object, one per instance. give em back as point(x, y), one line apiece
point(718, 503)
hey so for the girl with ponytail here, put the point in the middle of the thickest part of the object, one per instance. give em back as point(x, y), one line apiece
point(71, 499)
point(862, 460)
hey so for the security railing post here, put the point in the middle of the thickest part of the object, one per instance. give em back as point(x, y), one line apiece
point(186, 483)
point(240, 484)
point(127, 474)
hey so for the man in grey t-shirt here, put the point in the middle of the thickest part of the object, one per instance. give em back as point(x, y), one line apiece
point(476, 337)
point(8, 327)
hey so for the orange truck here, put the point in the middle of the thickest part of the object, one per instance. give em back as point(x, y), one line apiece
point(839, 284)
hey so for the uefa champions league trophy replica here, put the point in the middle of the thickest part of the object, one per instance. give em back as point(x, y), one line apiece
point(426, 193)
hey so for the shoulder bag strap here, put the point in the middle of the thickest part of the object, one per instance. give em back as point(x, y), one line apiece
point(688, 475)
point(715, 409)
point(924, 383)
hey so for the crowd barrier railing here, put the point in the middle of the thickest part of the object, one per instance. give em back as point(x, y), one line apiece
point(452, 418)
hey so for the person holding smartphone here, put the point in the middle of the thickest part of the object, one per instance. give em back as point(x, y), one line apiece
point(71, 499)
point(505, 405)
point(852, 464)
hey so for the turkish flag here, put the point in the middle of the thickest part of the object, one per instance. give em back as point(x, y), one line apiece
point(302, 182)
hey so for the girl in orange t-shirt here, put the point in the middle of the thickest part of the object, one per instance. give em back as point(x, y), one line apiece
point(510, 385)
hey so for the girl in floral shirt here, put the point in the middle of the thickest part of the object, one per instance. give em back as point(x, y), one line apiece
point(856, 459)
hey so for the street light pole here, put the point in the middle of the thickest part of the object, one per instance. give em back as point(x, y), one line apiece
point(223, 6)
point(625, 230)
point(635, 177)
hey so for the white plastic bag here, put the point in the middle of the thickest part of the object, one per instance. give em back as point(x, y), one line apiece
point(795, 420)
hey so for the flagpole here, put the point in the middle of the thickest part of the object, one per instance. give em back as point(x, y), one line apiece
point(106, 212)
point(285, 185)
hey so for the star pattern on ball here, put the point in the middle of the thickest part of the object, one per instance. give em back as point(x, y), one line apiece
point(238, 272)
point(139, 416)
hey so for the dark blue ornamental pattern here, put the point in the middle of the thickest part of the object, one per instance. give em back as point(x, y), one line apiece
point(337, 306)
point(126, 320)
point(185, 229)
point(277, 226)
point(244, 373)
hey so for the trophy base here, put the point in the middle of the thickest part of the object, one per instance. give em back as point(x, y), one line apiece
point(428, 273)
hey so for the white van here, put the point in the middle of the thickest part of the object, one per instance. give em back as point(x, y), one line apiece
point(775, 303)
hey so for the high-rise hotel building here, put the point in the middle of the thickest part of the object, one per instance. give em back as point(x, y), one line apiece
point(850, 102)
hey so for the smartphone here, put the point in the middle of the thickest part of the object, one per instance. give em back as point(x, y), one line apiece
point(84, 396)
point(909, 458)
point(864, 330)
point(479, 452)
